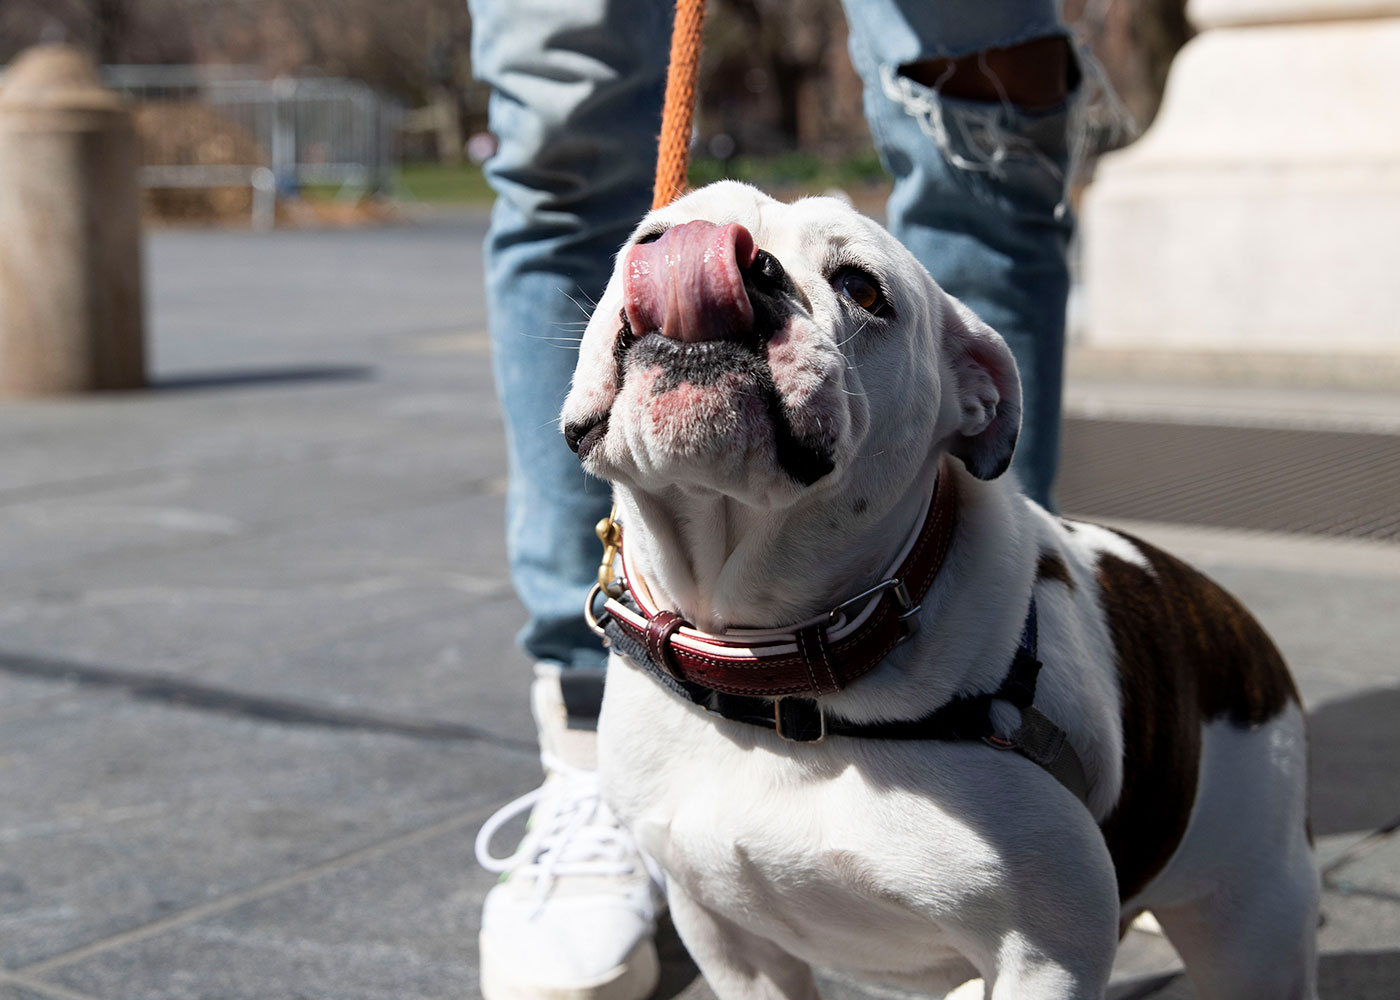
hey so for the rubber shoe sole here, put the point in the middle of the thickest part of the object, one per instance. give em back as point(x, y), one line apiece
point(635, 979)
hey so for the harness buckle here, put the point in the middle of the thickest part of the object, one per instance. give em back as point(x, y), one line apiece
point(798, 720)
point(904, 604)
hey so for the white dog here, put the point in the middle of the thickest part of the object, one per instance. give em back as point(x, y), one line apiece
point(794, 413)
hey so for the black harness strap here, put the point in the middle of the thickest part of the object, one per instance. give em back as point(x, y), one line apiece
point(966, 717)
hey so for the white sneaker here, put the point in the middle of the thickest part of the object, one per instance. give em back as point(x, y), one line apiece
point(574, 915)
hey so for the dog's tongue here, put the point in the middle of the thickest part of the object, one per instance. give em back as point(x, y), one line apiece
point(688, 283)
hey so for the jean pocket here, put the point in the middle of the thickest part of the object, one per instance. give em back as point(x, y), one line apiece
point(1012, 156)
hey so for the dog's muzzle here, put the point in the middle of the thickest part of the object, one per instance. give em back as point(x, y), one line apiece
point(700, 304)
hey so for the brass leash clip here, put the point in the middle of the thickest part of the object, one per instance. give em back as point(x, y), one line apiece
point(610, 534)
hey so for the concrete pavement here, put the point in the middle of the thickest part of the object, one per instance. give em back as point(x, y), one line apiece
point(257, 680)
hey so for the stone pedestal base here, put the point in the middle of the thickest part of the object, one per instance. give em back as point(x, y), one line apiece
point(70, 231)
point(1262, 209)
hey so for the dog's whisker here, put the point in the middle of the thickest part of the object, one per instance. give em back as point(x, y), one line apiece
point(586, 310)
point(854, 335)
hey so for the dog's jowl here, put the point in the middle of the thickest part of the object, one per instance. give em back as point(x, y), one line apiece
point(868, 706)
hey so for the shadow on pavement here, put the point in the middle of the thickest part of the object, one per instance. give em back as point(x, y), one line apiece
point(242, 378)
point(1355, 748)
point(1351, 975)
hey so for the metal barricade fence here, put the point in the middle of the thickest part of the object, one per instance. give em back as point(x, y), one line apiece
point(223, 126)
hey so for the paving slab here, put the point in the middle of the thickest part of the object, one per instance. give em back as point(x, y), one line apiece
point(21, 696)
point(1355, 922)
point(399, 923)
point(434, 540)
point(12, 992)
point(457, 664)
point(444, 665)
point(1337, 631)
point(1355, 758)
point(71, 446)
point(119, 812)
point(232, 299)
point(1372, 870)
point(1359, 960)
point(168, 508)
point(257, 599)
point(1359, 975)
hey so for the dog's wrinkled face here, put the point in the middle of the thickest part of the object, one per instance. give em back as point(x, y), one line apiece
point(762, 350)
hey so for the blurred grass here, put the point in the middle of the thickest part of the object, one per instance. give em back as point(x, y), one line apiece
point(443, 184)
point(793, 173)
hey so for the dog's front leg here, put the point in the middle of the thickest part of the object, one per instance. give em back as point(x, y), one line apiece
point(737, 964)
point(1071, 962)
point(1056, 934)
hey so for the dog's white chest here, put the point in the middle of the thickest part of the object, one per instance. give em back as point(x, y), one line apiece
point(839, 870)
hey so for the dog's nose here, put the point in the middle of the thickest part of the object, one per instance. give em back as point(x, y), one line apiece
point(689, 284)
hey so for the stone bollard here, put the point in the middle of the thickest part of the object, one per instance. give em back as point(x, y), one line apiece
point(70, 230)
point(1259, 213)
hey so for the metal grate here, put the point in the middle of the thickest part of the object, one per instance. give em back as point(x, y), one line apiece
point(1287, 480)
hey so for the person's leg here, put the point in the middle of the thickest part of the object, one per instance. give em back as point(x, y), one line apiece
point(575, 106)
point(969, 106)
point(576, 97)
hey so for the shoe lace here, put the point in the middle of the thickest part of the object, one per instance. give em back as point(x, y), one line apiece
point(569, 835)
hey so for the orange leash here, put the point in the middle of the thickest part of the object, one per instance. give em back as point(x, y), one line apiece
point(673, 154)
point(672, 166)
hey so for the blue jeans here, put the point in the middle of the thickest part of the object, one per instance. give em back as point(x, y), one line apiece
point(576, 102)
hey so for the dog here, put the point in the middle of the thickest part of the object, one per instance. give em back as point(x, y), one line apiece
point(813, 747)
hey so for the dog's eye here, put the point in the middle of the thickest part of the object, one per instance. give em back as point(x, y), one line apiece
point(651, 237)
point(861, 288)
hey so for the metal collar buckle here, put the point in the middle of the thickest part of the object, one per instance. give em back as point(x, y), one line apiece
point(799, 720)
point(908, 624)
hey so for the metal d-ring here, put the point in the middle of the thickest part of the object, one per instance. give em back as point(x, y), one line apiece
point(905, 605)
point(590, 617)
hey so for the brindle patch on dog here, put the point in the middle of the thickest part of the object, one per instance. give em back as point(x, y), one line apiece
point(1051, 566)
point(1187, 653)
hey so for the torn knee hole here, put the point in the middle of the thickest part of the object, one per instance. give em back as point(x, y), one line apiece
point(1035, 74)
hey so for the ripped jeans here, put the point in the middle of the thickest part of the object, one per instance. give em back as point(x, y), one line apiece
point(576, 100)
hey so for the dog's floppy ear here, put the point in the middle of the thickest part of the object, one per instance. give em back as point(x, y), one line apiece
point(987, 390)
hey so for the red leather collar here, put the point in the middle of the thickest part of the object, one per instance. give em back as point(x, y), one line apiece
point(819, 656)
